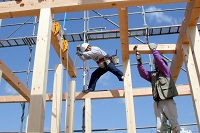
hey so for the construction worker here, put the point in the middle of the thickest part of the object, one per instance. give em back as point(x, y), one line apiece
point(163, 90)
point(102, 59)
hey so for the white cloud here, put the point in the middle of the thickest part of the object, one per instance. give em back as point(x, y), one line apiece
point(10, 90)
point(160, 17)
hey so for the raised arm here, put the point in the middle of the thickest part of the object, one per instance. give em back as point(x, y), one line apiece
point(160, 63)
point(144, 73)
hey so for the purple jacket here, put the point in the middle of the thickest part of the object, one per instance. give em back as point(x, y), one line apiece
point(160, 64)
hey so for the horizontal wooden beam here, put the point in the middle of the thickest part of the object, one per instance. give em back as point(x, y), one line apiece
point(64, 56)
point(21, 8)
point(12, 79)
point(162, 48)
point(183, 90)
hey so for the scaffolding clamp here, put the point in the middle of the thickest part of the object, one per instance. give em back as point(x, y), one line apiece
point(56, 28)
point(65, 45)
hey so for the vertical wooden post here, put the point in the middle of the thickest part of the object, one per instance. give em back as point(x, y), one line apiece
point(57, 100)
point(194, 41)
point(40, 72)
point(70, 107)
point(193, 80)
point(0, 75)
point(88, 115)
point(0, 22)
point(130, 115)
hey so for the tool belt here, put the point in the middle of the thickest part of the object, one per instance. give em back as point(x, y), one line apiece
point(103, 62)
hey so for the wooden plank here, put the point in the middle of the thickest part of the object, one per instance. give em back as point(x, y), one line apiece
point(40, 73)
point(88, 116)
point(64, 56)
point(129, 102)
point(191, 18)
point(57, 100)
point(123, 22)
point(193, 80)
point(14, 9)
point(14, 81)
point(162, 48)
point(70, 107)
point(194, 41)
point(130, 114)
point(183, 90)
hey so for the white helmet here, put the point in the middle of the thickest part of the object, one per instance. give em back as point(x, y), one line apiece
point(84, 46)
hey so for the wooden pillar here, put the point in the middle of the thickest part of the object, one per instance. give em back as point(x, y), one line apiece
point(194, 41)
point(130, 115)
point(57, 100)
point(0, 76)
point(0, 22)
point(70, 107)
point(40, 73)
point(88, 115)
point(193, 80)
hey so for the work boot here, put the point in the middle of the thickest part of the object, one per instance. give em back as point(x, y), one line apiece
point(88, 90)
point(122, 78)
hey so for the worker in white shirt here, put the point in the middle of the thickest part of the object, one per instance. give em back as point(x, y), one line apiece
point(103, 60)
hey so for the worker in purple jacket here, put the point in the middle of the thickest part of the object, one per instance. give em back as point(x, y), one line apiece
point(163, 90)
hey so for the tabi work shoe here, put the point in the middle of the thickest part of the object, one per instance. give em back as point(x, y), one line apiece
point(88, 90)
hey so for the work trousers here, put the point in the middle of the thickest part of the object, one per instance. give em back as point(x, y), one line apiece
point(100, 71)
point(166, 109)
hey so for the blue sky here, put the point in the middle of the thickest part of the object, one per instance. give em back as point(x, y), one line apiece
point(107, 113)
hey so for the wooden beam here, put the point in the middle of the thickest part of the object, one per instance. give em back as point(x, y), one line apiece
point(14, 9)
point(40, 74)
point(64, 56)
point(162, 48)
point(88, 115)
point(193, 80)
point(191, 18)
point(12, 79)
point(123, 22)
point(130, 113)
point(69, 128)
point(183, 90)
point(0, 22)
point(194, 41)
point(56, 114)
point(129, 101)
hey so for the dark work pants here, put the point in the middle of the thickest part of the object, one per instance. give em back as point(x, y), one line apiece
point(100, 71)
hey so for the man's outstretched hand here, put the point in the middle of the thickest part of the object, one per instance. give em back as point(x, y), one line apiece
point(152, 46)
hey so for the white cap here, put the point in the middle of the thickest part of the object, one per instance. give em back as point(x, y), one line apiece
point(84, 46)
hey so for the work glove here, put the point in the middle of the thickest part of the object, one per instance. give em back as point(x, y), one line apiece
point(79, 53)
point(152, 46)
point(139, 58)
point(78, 47)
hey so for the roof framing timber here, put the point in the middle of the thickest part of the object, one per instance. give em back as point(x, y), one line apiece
point(183, 90)
point(192, 13)
point(64, 56)
point(21, 8)
point(12, 79)
point(162, 48)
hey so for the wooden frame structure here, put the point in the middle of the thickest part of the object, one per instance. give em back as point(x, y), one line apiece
point(184, 51)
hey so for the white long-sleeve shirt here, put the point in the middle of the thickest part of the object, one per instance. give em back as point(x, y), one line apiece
point(95, 53)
